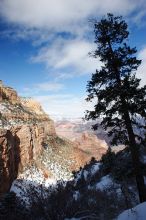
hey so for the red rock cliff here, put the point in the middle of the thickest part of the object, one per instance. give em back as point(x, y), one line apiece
point(24, 127)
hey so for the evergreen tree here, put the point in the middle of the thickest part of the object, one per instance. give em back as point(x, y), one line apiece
point(120, 101)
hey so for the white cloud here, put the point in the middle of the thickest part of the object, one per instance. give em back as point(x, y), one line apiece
point(36, 36)
point(42, 21)
point(50, 86)
point(64, 105)
point(73, 54)
point(43, 87)
point(60, 14)
point(141, 73)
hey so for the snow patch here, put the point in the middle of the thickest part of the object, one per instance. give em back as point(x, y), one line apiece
point(136, 213)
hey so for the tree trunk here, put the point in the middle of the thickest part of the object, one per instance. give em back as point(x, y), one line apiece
point(135, 159)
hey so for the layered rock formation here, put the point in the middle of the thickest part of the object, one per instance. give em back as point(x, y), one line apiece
point(84, 137)
point(93, 146)
point(23, 131)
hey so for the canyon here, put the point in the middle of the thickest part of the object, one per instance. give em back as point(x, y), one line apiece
point(29, 138)
point(81, 133)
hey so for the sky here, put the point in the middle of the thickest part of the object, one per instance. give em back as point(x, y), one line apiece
point(44, 47)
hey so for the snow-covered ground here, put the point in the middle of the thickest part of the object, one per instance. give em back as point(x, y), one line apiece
point(136, 213)
point(34, 179)
point(31, 178)
point(32, 182)
point(8, 109)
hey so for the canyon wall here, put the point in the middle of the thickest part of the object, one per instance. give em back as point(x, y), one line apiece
point(28, 139)
point(19, 148)
point(24, 127)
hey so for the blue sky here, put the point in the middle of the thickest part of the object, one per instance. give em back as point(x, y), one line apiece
point(44, 48)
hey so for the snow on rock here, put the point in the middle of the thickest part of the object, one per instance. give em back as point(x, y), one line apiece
point(136, 213)
point(88, 173)
point(76, 195)
point(95, 168)
point(85, 173)
point(104, 183)
point(31, 178)
point(58, 171)
point(3, 108)
point(7, 109)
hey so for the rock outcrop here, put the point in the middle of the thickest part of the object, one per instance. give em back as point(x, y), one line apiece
point(8, 94)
